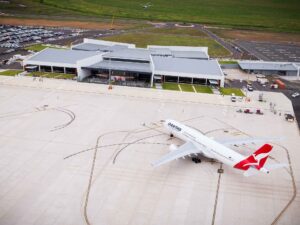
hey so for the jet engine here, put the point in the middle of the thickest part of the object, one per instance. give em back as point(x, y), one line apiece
point(173, 147)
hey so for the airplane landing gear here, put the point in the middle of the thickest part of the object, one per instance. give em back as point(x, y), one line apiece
point(196, 160)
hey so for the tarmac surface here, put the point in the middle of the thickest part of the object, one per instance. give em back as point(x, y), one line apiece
point(77, 153)
point(238, 79)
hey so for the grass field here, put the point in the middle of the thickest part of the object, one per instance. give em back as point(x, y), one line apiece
point(142, 39)
point(10, 72)
point(268, 14)
point(229, 91)
point(251, 35)
point(203, 89)
point(178, 31)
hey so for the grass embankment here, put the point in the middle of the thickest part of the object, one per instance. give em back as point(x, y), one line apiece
point(187, 87)
point(170, 86)
point(142, 39)
point(203, 89)
point(52, 75)
point(233, 13)
point(228, 62)
point(10, 72)
point(229, 91)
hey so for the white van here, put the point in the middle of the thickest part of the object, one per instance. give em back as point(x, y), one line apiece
point(233, 97)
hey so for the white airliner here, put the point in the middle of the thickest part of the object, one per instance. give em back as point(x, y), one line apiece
point(197, 143)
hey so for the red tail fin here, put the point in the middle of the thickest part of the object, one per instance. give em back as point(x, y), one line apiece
point(257, 159)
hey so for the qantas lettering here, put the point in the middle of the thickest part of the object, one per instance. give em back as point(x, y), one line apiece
point(174, 126)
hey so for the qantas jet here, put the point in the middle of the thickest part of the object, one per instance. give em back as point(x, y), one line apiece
point(197, 143)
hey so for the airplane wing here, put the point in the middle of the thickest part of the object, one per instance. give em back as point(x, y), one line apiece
point(242, 141)
point(186, 149)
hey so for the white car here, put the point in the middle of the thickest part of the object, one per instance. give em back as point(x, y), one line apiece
point(296, 94)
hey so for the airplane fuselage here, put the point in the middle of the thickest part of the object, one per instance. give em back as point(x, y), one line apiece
point(209, 147)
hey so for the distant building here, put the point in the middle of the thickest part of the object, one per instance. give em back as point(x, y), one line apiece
point(96, 61)
point(270, 68)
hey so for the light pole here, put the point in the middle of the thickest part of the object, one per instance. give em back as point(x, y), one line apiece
point(109, 75)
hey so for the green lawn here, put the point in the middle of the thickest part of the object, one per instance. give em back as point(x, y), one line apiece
point(267, 14)
point(178, 31)
point(10, 72)
point(187, 87)
point(170, 86)
point(51, 75)
point(229, 91)
point(203, 89)
point(142, 39)
point(39, 47)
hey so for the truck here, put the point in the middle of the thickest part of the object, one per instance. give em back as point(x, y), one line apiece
point(281, 85)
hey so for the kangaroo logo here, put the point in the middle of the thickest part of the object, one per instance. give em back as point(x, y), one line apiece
point(256, 159)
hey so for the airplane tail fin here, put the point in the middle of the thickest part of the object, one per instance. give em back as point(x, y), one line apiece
point(256, 160)
point(255, 163)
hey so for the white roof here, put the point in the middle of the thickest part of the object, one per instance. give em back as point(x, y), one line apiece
point(51, 55)
point(130, 53)
point(122, 66)
point(179, 66)
point(98, 47)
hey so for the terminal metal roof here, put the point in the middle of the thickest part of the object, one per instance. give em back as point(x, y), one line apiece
point(98, 47)
point(180, 53)
point(190, 54)
point(122, 66)
point(51, 55)
point(187, 66)
point(161, 51)
point(263, 65)
point(130, 53)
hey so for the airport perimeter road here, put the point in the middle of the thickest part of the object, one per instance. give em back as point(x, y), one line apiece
point(78, 153)
point(236, 54)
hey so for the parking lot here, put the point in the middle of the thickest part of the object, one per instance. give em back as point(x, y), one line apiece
point(271, 51)
point(13, 39)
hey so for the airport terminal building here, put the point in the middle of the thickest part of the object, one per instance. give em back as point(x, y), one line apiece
point(270, 68)
point(98, 61)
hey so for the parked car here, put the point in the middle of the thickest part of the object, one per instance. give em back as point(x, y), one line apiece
point(249, 87)
point(248, 111)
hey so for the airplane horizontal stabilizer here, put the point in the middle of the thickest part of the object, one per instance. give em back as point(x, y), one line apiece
point(251, 172)
point(266, 169)
point(276, 166)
